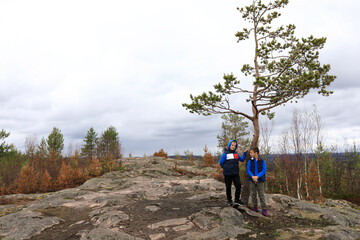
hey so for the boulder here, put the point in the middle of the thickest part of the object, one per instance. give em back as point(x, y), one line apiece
point(25, 224)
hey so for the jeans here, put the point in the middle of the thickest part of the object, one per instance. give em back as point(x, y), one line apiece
point(237, 183)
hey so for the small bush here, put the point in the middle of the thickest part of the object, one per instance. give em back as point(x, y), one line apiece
point(218, 174)
point(161, 153)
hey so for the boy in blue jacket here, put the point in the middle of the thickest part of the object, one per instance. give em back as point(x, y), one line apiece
point(256, 169)
point(229, 162)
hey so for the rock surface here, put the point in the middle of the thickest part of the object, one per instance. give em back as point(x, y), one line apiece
point(149, 200)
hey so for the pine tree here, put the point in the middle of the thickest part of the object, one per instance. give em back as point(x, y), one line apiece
point(66, 176)
point(109, 144)
point(55, 141)
point(27, 181)
point(90, 143)
point(95, 167)
point(234, 128)
point(6, 150)
point(42, 149)
point(45, 184)
point(110, 164)
point(284, 68)
point(53, 163)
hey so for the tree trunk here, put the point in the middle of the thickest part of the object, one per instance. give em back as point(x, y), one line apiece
point(298, 186)
point(245, 192)
point(245, 189)
point(255, 140)
point(318, 170)
point(255, 111)
point(287, 185)
point(305, 179)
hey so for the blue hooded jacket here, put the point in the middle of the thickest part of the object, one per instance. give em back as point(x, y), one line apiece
point(229, 160)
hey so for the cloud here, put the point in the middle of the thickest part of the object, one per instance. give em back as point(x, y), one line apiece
point(131, 64)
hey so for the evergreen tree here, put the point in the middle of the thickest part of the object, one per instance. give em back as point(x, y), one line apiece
point(234, 128)
point(90, 143)
point(42, 149)
point(55, 141)
point(11, 162)
point(6, 150)
point(284, 68)
point(109, 144)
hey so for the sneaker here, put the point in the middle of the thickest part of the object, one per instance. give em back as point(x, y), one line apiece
point(230, 203)
point(255, 210)
point(264, 212)
point(239, 202)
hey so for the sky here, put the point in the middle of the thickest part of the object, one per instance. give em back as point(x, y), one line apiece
point(131, 64)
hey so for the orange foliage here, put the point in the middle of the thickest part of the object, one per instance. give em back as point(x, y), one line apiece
point(161, 153)
point(71, 177)
point(2, 188)
point(52, 164)
point(208, 159)
point(186, 172)
point(95, 167)
point(81, 175)
point(218, 174)
point(45, 184)
point(65, 177)
point(110, 164)
point(312, 178)
point(27, 181)
point(46, 173)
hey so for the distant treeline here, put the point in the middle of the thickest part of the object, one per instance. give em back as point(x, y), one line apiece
point(43, 168)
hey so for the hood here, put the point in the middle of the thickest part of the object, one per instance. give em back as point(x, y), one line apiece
point(228, 146)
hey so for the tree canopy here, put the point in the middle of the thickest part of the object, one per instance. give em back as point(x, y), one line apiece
point(6, 150)
point(284, 68)
point(90, 143)
point(109, 144)
point(55, 141)
point(234, 127)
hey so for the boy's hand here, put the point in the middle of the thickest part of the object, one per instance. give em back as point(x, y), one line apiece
point(255, 179)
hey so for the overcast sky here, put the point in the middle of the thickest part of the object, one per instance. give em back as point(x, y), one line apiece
point(131, 64)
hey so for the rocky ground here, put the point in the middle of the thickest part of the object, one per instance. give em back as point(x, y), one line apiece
point(149, 200)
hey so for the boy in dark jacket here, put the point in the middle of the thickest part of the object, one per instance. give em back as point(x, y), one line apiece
point(229, 161)
point(256, 169)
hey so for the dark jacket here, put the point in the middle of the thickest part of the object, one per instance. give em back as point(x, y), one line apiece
point(229, 160)
point(256, 168)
